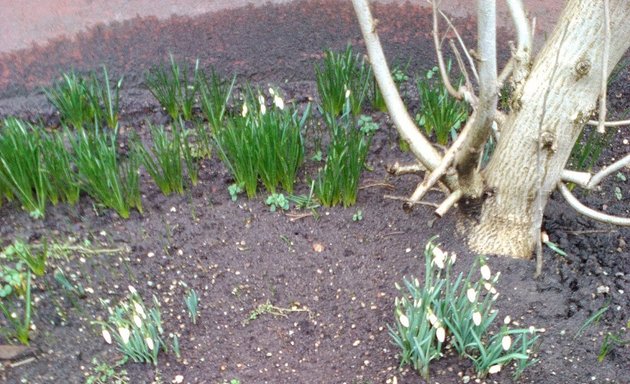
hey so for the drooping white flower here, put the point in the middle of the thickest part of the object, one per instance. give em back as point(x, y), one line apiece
point(139, 310)
point(507, 320)
point(485, 272)
point(487, 286)
point(124, 334)
point(149, 342)
point(431, 317)
point(271, 91)
point(440, 333)
point(244, 111)
point(404, 320)
point(107, 336)
point(494, 369)
point(347, 93)
point(471, 294)
point(137, 321)
point(277, 100)
point(263, 109)
point(453, 258)
point(476, 318)
point(506, 342)
point(439, 257)
point(132, 289)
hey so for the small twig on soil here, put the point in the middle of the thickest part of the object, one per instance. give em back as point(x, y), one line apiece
point(393, 234)
point(298, 216)
point(378, 184)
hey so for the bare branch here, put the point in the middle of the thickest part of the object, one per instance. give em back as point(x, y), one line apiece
point(466, 161)
point(610, 123)
point(438, 50)
point(471, 62)
point(602, 92)
point(588, 181)
point(397, 169)
point(448, 203)
point(460, 63)
point(588, 212)
point(419, 145)
point(523, 34)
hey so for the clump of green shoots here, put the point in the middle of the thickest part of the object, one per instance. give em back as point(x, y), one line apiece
point(86, 100)
point(163, 160)
point(173, 89)
point(112, 182)
point(343, 76)
point(62, 179)
point(192, 303)
point(22, 171)
point(263, 144)
point(456, 310)
point(136, 329)
point(17, 265)
point(214, 96)
point(338, 181)
point(440, 113)
point(376, 96)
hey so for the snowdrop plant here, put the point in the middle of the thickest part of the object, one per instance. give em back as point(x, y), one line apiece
point(456, 311)
point(136, 329)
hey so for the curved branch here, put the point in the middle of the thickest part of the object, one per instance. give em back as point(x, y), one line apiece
point(588, 181)
point(419, 145)
point(438, 50)
point(589, 212)
point(610, 123)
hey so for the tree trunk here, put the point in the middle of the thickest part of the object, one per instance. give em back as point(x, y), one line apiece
point(548, 114)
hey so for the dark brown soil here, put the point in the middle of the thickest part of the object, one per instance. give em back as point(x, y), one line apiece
point(238, 255)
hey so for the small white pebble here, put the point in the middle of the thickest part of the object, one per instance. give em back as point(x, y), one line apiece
point(178, 379)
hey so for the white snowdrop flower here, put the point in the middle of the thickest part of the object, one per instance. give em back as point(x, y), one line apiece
point(506, 342)
point(137, 321)
point(178, 379)
point(416, 282)
point(107, 336)
point(263, 109)
point(487, 286)
point(494, 369)
point(476, 318)
point(272, 92)
point(244, 111)
point(453, 258)
point(347, 93)
point(471, 294)
point(417, 303)
point(507, 320)
point(261, 99)
point(149, 343)
point(124, 334)
point(277, 100)
point(431, 317)
point(404, 321)
point(495, 297)
point(544, 237)
point(532, 329)
point(485, 272)
point(439, 257)
point(132, 289)
point(493, 290)
point(440, 333)
point(139, 310)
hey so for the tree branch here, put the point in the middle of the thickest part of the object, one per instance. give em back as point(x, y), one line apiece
point(438, 50)
point(610, 123)
point(588, 212)
point(471, 62)
point(602, 92)
point(466, 160)
point(588, 181)
point(419, 145)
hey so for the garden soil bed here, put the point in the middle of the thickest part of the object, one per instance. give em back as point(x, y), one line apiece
point(336, 274)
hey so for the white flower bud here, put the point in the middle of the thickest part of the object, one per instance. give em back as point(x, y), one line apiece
point(244, 111)
point(271, 91)
point(132, 289)
point(471, 294)
point(149, 342)
point(506, 342)
point(137, 321)
point(404, 321)
point(107, 336)
point(476, 318)
point(124, 334)
point(485, 272)
point(139, 310)
point(507, 320)
point(263, 109)
point(440, 333)
point(277, 100)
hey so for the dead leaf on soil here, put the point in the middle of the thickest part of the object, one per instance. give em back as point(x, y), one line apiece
point(11, 352)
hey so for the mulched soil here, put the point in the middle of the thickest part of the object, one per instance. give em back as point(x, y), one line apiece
point(340, 272)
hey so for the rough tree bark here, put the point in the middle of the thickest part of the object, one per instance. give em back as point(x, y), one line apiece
point(556, 100)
